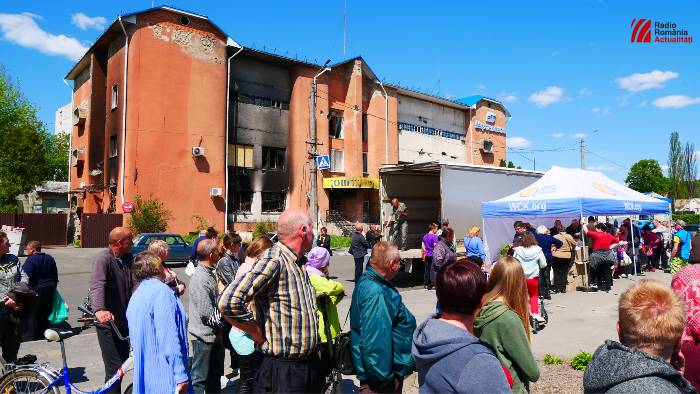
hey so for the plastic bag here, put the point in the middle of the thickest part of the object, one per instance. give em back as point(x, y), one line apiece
point(59, 313)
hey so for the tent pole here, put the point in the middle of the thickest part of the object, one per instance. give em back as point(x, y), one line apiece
point(634, 261)
point(584, 249)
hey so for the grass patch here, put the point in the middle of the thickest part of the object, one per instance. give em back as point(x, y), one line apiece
point(552, 360)
point(581, 360)
point(338, 241)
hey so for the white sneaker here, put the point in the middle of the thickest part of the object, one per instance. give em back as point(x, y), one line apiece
point(623, 276)
point(537, 317)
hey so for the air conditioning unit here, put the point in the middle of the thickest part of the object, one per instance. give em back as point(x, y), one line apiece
point(486, 146)
point(216, 192)
point(197, 151)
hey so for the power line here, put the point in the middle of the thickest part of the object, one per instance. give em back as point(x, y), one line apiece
point(606, 159)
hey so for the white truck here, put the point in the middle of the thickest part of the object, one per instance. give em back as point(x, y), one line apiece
point(438, 191)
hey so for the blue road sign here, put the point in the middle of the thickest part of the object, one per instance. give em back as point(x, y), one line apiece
point(323, 162)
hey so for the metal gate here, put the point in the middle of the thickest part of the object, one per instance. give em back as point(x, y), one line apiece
point(95, 228)
point(47, 228)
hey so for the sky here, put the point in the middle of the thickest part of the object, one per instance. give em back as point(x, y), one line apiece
point(565, 70)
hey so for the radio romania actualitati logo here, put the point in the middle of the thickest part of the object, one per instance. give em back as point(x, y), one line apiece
point(663, 32)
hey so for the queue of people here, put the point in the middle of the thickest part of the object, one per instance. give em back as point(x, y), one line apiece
point(262, 304)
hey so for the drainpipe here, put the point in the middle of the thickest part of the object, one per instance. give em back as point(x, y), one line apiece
point(471, 133)
point(70, 141)
point(386, 123)
point(228, 87)
point(126, 71)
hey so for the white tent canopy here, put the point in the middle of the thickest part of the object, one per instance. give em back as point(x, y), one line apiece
point(562, 193)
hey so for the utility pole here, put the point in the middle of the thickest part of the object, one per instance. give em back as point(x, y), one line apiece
point(313, 144)
point(583, 147)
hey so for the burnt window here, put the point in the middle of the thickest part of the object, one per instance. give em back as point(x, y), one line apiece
point(113, 146)
point(272, 202)
point(365, 167)
point(242, 200)
point(273, 158)
point(335, 124)
point(364, 128)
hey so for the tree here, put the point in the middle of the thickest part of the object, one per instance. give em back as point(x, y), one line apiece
point(691, 169)
point(510, 164)
point(646, 176)
point(502, 163)
point(675, 165)
point(22, 156)
point(57, 147)
point(149, 216)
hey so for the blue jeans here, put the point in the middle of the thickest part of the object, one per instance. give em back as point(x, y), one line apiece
point(207, 365)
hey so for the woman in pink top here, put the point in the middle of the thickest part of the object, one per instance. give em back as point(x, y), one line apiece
point(686, 283)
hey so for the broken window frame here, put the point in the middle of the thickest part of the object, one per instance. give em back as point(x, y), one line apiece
point(274, 158)
point(272, 202)
point(337, 155)
point(336, 124)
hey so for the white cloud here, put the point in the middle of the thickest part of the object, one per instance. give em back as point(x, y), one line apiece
point(518, 142)
point(643, 103)
point(600, 112)
point(578, 136)
point(480, 86)
point(507, 97)
point(22, 29)
point(602, 167)
point(557, 135)
point(664, 167)
point(550, 95)
point(584, 92)
point(644, 81)
point(85, 22)
point(675, 101)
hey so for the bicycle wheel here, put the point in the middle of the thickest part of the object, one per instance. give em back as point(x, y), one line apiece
point(25, 382)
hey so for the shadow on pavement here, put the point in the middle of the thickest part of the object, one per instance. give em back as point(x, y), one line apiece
point(77, 375)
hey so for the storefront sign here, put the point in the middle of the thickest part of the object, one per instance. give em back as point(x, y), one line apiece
point(491, 117)
point(483, 126)
point(350, 183)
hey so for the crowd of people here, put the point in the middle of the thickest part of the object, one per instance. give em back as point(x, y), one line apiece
point(261, 303)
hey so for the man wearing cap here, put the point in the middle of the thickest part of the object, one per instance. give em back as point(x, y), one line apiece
point(681, 247)
point(317, 263)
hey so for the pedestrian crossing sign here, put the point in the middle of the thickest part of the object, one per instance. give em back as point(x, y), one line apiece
point(323, 162)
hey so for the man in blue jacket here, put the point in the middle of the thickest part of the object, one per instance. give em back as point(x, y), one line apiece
point(381, 327)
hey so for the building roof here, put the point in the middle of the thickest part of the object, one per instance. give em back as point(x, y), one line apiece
point(426, 96)
point(115, 28)
point(53, 187)
point(472, 100)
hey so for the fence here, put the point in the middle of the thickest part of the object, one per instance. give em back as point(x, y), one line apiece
point(47, 228)
point(95, 228)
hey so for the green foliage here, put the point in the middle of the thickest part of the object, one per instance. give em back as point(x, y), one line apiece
point(200, 222)
point(57, 147)
point(646, 176)
point(552, 360)
point(502, 163)
point(581, 360)
point(676, 168)
point(149, 216)
point(22, 156)
point(189, 238)
point(338, 241)
point(688, 218)
point(75, 243)
point(504, 250)
point(511, 165)
point(262, 228)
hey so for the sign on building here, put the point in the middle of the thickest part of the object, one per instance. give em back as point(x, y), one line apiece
point(323, 162)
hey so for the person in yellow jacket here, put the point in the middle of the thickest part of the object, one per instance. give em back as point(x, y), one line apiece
point(318, 260)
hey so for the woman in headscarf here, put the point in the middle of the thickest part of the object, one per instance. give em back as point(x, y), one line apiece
point(686, 283)
point(317, 263)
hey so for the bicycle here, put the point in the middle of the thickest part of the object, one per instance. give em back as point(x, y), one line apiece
point(40, 378)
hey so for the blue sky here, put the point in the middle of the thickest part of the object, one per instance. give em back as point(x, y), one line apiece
point(562, 68)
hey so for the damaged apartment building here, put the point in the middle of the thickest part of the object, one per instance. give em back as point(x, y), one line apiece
point(165, 104)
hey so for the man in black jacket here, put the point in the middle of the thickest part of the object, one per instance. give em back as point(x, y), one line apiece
point(43, 279)
point(110, 291)
point(358, 249)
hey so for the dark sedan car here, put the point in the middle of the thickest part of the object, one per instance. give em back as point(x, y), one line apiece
point(179, 250)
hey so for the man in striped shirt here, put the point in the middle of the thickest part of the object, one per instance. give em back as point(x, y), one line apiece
point(285, 324)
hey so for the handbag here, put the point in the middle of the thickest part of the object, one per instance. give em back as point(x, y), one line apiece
point(59, 312)
point(342, 350)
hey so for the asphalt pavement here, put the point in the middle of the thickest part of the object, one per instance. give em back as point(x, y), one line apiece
point(577, 321)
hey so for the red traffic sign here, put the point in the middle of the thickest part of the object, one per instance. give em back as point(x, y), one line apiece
point(127, 207)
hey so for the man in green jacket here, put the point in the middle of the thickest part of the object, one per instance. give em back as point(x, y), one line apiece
point(381, 360)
